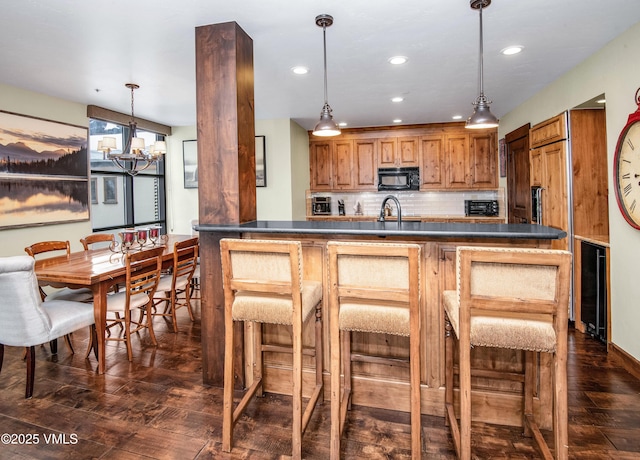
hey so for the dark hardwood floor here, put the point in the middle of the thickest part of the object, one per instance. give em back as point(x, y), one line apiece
point(157, 407)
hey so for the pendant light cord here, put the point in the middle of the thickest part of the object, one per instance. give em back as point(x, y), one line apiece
point(324, 41)
point(480, 74)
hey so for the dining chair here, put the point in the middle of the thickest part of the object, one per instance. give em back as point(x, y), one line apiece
point(25, 320)
point(195, 279)
point(52, 249)
point(174, 289)
point(374, 289)
point(263, 283)
point(94, 241)
point(100, 239)
point(509, 298)
point(143, 270)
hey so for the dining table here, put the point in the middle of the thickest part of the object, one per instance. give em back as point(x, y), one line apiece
point(98, 270)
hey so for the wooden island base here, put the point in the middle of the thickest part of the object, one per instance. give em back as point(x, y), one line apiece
point(386, 386)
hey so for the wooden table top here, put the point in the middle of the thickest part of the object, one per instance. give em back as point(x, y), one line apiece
point(86, 268)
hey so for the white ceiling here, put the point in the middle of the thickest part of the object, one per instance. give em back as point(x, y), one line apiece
point(85, 51)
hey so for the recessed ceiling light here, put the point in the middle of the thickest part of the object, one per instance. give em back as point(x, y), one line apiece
point(601, 101)
point(397, 120)
point(457, 117)
point(398, 60)
point(509, 50)
point(342, 124)
point(397, 99)
point(300, 70)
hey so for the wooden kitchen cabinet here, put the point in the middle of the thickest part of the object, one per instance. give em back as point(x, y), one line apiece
point(398, 152)
point(449, 157)
point(343, 164)
point(365, 163)
point(459, 161)
point(432, 169)
point(548, 163)
point(321, 165)
point(483, 151)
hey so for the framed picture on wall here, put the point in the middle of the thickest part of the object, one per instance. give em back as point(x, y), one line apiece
point(261, 162)
point(190, 161)
point(44, 171)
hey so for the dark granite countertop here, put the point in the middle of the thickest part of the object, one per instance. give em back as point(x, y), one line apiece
point(412, 229)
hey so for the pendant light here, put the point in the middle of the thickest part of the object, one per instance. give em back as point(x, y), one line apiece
point(326, 126)
point(482, 117)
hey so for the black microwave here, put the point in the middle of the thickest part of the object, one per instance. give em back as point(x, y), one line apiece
point(398, 178)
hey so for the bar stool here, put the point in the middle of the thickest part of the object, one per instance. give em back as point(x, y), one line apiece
point(375, 288)
point(509, 298)
point(263, 284)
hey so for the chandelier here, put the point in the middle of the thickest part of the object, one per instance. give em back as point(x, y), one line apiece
point(134, 157)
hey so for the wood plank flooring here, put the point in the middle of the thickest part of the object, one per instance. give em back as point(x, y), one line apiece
point(157, 407)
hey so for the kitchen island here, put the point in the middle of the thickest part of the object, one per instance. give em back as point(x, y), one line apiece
point(375, 384)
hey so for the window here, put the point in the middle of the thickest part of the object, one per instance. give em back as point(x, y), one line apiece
point(128, 201)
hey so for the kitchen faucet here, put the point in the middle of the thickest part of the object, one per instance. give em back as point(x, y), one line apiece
point(384, 202)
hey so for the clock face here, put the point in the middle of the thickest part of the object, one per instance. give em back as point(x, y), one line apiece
point(627, 174)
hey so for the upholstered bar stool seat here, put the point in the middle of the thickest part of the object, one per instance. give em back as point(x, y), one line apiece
point(375, 288)
point(263, 284)
point(515, 299)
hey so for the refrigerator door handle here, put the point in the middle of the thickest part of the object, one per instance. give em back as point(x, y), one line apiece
point(539, 202)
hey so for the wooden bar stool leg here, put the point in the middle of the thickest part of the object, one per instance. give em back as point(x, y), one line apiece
point(465, 397)
point(560, 419)
point(227, 408)
point(297, 390)
point(336, 396)
point(346, 368)
point(416, 425)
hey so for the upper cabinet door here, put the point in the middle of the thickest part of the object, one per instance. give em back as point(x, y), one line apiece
point(320, 165)
point(365, 162)
point(342, 164)
point(387, 152)
point(408, 151)
point(398, 152)
point(432, 154)
point(483, 156)
point(457, 153)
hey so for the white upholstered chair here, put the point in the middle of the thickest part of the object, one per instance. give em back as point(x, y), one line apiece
point(263, 283)
point(374, 288)
point(509, 298)
point(25, 320)
point(174, 289)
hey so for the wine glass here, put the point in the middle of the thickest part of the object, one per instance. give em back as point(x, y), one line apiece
point(154, 234)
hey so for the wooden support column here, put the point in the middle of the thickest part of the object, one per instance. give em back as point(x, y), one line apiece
point(226, 169)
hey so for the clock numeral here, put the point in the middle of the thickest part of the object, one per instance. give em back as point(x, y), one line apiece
point(632, 208)
point(630, 144)
point(626, 161)
point(626, 176)
point(627, 189)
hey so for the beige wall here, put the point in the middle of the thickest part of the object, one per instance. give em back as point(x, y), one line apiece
point(287, 156)
point(13, 241)
point(614, 71)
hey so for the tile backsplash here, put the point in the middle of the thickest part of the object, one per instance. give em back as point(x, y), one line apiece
point(413, 203)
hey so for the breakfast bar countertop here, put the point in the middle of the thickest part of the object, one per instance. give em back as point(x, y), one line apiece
point(383, 229)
